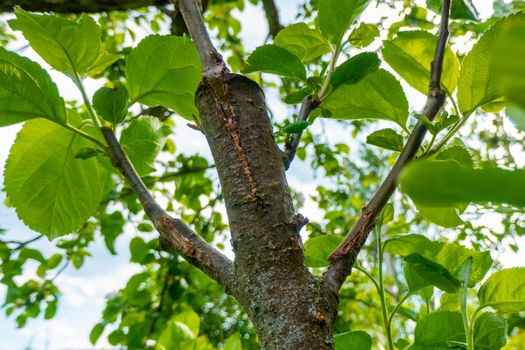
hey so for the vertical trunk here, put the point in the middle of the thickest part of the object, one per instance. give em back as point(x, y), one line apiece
point(286, 303)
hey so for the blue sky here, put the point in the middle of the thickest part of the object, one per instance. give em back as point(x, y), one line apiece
point(84, 290)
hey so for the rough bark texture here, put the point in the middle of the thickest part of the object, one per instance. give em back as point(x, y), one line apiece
point(285, 302)
point(78, 6)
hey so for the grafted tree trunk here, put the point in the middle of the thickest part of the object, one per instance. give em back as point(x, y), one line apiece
point(285, 302)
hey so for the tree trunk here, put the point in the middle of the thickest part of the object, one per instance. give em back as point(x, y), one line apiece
point(286, 304)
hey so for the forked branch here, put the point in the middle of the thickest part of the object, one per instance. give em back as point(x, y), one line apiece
point(344, 256)
point(174, 234)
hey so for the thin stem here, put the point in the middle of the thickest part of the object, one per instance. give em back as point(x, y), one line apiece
point(369, 275)
point(462, 294)
point(382, 295)
point(331, 68)
point(397, 306)
point(84, 135)
point(87, 102)
point(191, 13)
point(291, 144)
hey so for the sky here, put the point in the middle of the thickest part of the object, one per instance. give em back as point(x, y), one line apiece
point(83, 291)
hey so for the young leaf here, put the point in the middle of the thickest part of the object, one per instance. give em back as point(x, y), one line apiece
point(504, 290)
point(53, 192)
point(27, 91)
point(410, 54)
point(378, 96)
point(296, 127)
point(303, 41)
point(318, 249)
point(357, 340)
point(387, 139)
point(142, 140)
point(433, 273)
point(437, 330)
point(428, 183)
point(363, 35)
point(336, 16)
point(477, 84)
point(111, 103)
point(275, 60)
point(164, 71)
point(355, 69)
point(71, 47)
point(96, 332)
point(490, 332)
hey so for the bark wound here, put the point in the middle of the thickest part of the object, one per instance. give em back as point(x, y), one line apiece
point(219, 89)
point(171, 238)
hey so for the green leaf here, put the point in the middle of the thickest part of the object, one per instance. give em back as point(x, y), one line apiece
point(96, 332)
point(387, 139)
point(190, 319)
point(428, 183)
point(357, 340)
point(233, 342)
point(164, 71)
point(504, 290)
point(450, 256)
point(111, 226)
point(460, 9)
point(138, 250)
point(433, 273)
point(490, 332)
point(142, 140)
point(437, 330)
point(363, 35)
point(71, 47)
point(509, 67)
point(53, 192)
point(275, 60)
point(297, 127)
point(51, 309)
point(318, 249)
point(378, 96)
point(413, 279)
point(355, 69)
point(336, 16)
point(303, 41)
point(111, 103)
point(411, 53)
point(443, 216)
point(517, 115)
point(477, 84)
point(54, 261)
point(27, 91)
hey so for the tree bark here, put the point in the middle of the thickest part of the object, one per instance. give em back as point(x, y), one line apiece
point(285, 302)
point(78, 6)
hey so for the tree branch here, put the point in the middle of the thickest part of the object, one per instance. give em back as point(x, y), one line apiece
point(344, 256)
point(290, 147)
point(75, 6)
point(272, 16)
point(174, 234)
point(211, 60)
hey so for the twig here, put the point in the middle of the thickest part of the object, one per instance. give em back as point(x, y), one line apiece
point(344, 256)
point(290, 148)
point(174, 234)
point(211, 59)
point(272, 16)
